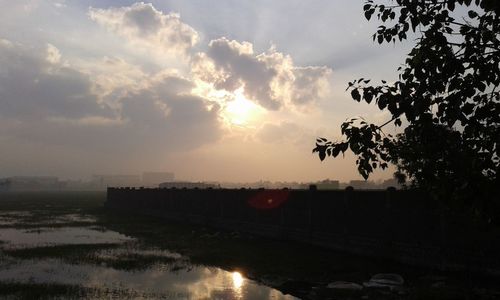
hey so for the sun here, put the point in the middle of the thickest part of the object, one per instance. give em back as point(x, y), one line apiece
point(241, 111)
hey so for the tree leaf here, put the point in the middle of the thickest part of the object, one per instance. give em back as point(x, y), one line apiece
point(472, 14)
point(355, 95)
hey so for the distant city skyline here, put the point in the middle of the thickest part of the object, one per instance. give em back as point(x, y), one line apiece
point(167, 180)
point(233, 91)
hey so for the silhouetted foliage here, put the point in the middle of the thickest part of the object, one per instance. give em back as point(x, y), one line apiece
point(447, 98)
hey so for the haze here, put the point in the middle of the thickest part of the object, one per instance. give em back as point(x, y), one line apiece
point(209, 90)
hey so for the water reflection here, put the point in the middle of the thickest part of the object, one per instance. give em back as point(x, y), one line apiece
point(46, 236)
point(237, 280)
point(116, 253)
point(170, 276)
point(194, 283)
point(43, 217)
point(237, 284)
point(13, 217)
point(67, 218)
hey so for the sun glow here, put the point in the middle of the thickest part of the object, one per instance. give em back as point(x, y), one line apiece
point(241, 111)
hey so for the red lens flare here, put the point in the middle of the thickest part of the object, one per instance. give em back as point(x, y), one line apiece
point(269, 199)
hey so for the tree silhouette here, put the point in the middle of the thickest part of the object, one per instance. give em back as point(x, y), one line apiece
point(447, 97)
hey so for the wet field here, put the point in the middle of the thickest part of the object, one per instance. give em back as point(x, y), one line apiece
point(66, 245)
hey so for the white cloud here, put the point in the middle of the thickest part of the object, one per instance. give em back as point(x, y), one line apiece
point(53, 54)
point(113, 76)
point(271, 79)
point(146, 27)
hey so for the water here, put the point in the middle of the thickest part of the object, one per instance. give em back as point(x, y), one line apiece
point(46, 236)
point(187, 283)
point(13, 217)
point(38, 250)
point(41, 217)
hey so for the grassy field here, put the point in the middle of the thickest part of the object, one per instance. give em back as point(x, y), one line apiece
point(295, 268)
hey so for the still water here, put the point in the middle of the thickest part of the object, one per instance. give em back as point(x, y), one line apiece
point(113, 265)
point(158, 280)
point(46, 236)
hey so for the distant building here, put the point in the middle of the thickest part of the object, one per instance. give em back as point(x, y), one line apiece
point(79, 185)
point(155, 178)
point(391, 183)
point(328, 184)
point(4, 185)
point(361, 184)
point(187, 185)
point(31, 183)
point(104, 181)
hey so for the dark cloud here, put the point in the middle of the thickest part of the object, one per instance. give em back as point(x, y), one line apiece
point(144, 17)
point(166, 112)
point(307, 84)
point(34, 85)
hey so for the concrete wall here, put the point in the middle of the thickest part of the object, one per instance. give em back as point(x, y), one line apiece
point(403, 226)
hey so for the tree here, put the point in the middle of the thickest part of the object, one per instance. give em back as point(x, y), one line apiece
point(447, 97)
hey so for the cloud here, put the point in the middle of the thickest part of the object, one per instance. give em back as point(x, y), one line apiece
point(53, 54)
point(34, 84)
point(48, 104)
point(273, 133)
point(146, 27)
point(87, 91)
point(309, 83)
point(270, 79)
point(181, 122)
point(167, 110)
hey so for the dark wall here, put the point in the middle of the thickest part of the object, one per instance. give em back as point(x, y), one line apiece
point(404, 226)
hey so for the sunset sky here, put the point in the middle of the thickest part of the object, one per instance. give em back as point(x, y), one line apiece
point(223, 90)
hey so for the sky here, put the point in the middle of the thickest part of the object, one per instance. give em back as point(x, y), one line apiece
point(225, 90)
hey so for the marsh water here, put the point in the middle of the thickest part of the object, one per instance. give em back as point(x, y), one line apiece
point(69, 253)
point(67, 245)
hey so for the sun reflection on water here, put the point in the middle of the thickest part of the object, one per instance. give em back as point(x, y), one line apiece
point(237, 280)
point(108, 274)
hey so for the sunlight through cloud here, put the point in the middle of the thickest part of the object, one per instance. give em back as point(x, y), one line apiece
point(241, 111)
